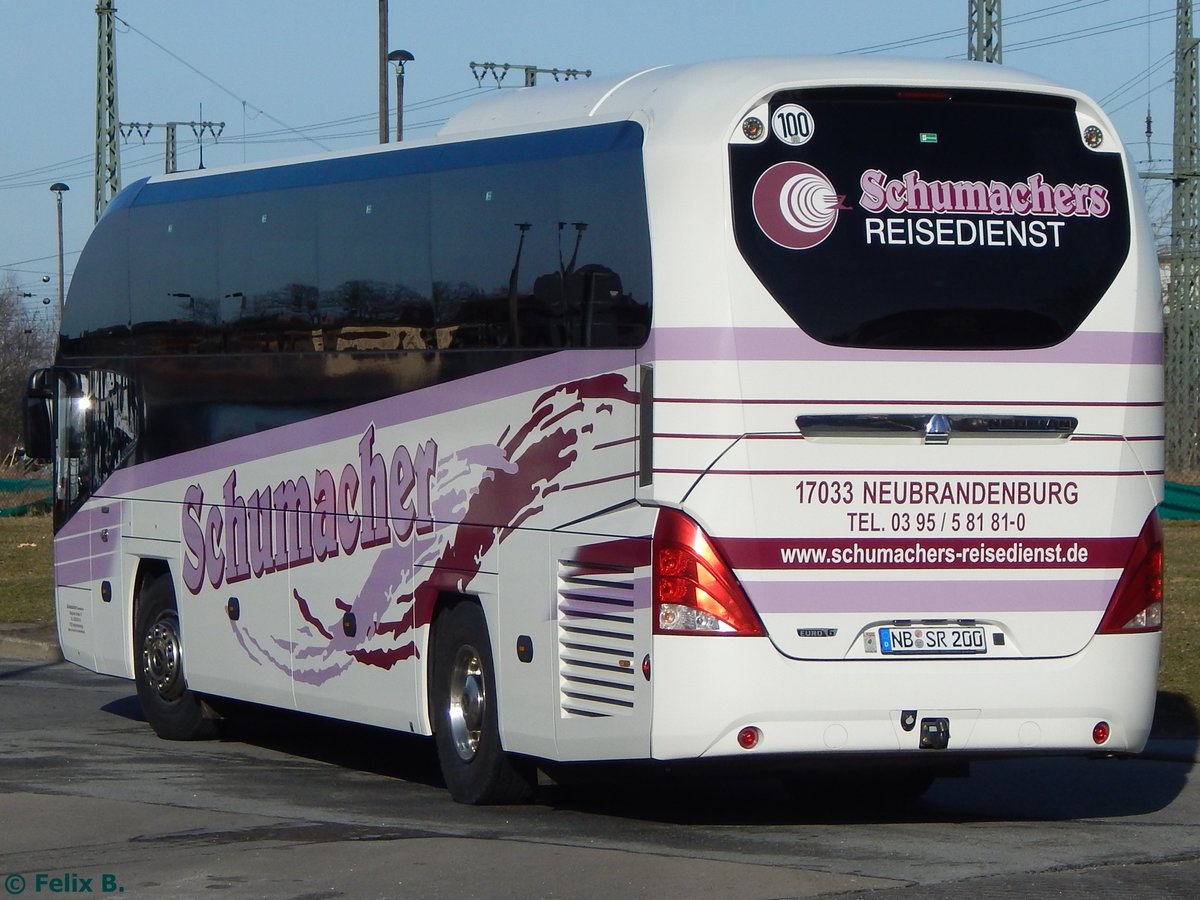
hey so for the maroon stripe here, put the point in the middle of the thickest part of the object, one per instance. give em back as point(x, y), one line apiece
point(891, 473)
point(802, 554)
point(931, 402)
point(595, 481)
point(701, 436)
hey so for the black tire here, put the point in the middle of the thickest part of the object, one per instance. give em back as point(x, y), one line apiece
point(174, 712)
point(465, 722)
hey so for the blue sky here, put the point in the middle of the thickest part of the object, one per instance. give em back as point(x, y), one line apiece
point(289, 77)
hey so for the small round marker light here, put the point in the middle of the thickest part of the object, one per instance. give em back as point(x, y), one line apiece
point(1093, 137)
point(753, 128)
point(749, 737)
point(1101, 732)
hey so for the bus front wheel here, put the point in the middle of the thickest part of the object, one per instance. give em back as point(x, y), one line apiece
point(173, 711)
point(466, 729)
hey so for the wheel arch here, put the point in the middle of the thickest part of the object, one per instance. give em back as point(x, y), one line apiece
point(148, 569)
point(446, 600)
point(464, 700)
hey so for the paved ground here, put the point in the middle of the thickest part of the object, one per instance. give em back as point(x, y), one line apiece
point(38, 643)
point(285, 807)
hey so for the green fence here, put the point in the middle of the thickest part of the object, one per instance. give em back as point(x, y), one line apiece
point(1180, 501)
point(21, 496)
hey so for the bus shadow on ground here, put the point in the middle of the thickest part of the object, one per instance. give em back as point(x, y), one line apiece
point(346, 745)
point(1016, 789)
point(1028, 789)
point(1012, 789)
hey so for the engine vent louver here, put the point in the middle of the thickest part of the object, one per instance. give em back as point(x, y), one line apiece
point(597, 666)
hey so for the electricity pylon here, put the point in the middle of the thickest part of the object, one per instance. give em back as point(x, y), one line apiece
point(108, 149)
point(1182, 316)
point(983, 31)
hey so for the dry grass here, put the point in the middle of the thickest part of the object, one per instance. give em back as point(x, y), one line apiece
point(1179, 675)
point(26, 569)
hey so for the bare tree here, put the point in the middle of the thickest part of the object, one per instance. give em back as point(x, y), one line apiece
point(26, 342)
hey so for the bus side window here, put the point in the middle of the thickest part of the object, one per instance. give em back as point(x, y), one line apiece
point(88, 422)
point(372, 246)
point(495, 265)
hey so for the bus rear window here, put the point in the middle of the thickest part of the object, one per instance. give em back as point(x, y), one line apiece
point(917, 219)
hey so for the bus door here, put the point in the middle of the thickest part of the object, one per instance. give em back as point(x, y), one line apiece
point(86, 421)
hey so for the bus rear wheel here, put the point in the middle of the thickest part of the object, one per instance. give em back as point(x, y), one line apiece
point(173, 711)
point(466, 725)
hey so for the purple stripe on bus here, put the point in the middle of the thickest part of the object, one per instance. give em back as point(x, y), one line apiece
point(83, 570)
point(922, 597)
point(78, 572)
point(104, 565)
point(1102, 347)
point(72, 547)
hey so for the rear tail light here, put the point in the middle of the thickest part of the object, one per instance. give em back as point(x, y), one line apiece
point(1137, 602)
point(695, 591)
point(749, 737)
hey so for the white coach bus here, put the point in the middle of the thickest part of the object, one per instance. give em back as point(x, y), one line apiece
point(773, 411)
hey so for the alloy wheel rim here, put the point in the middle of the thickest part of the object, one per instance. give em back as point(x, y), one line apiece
point(162, 657)
point(467, 702)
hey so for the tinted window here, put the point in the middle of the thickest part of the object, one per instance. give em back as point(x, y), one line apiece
point(374, 284)
point(173, 278)
point(918, 219)
point(96, 314)
point(605, 247)
point(524, 244)
point(267, 273)
point(494, 231)
point(542, 254)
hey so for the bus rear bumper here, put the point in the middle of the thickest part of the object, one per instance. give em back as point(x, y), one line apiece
point(708, 690)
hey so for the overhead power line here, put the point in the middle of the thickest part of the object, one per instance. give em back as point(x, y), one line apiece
point(183, 62)
point(1129, 85)
point(1093, 30)
point(1069, 6)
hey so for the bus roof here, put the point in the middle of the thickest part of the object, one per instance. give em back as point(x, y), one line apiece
point(688, 103)
point(722, 88)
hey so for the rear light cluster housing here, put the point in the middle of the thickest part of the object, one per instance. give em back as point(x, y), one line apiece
point(1137, 600)
point(695, 590)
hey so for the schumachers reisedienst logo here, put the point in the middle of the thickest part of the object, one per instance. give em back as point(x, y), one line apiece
point(796, 205)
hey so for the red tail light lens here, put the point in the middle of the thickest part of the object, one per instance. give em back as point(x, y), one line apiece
point(1137, 602)
point(695, 591)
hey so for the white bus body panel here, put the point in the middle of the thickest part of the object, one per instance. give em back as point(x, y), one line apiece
point(347, 634)
point(856, 707)
point(730, 380)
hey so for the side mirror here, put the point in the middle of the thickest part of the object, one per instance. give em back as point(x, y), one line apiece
point(39, 415)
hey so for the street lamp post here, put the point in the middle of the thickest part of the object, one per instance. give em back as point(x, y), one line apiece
point(58, 188)
point(400, 57)
point(383, 42)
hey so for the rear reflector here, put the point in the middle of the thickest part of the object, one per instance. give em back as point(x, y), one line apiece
point(749, 737)
point(695, 591)
point(1137, 601)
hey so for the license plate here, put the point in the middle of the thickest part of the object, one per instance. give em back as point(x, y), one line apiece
point(947, 640)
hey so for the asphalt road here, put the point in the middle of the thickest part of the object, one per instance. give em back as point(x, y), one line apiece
point(92, 803)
